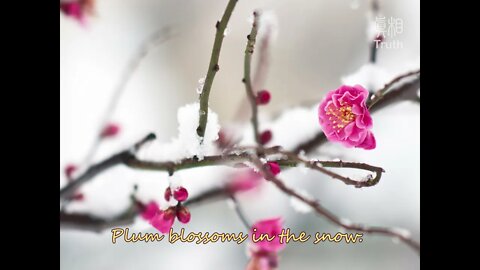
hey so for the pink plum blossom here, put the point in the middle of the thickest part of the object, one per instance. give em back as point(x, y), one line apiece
point(272, 227)
point(78, 9)
point(74, 10)
point(150, 210)
point(163, 219)
point(244, 180)
point(344, 117)
point(265, 253)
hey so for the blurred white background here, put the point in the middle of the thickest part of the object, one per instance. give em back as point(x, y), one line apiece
point(318, 43)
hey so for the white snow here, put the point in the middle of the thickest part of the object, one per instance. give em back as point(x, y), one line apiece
point(201, 83)
point(226, 32)
point(187, 144)
point(295, 125)
point(369, 76)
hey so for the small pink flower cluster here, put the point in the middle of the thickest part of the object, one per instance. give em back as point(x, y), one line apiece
point(163, 220)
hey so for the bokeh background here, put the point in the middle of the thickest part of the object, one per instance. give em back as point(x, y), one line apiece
point(317, 43)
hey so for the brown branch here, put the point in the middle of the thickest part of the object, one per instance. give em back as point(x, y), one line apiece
point(388, 95)
point(405, 91)
point(213, 67)
point(235, 158)
point(294, 160)
point(119, 158)
point(87, 222)
point(329, 215)
point(251, 38)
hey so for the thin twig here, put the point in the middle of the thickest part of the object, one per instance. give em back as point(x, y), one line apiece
point(155, 39)
point(239, 212)
point(381, 94)
point(251, 38)
point(329, 215)
point(213, 67)
point(87, 222)
point(294, 160)
point(119, 158)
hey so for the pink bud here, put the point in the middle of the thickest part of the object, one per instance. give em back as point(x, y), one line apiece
point(170, 213)
point(168, 194)
point(274, 167)
point(78, 197)
point(69, 169)
point(73, 9)
point(183, 214)
point(180, 194)
point(263, 97)
point(163, 220)
point(110, 130)
point(222, 140)
point(265, 137)
point(379, 37)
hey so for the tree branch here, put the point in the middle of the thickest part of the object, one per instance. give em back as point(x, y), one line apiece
point(94, 170)
point(294, 160)
point(87, 222)
point(388, 95)
point(234, 158)
point(251, 38)
point(329, 215)
point(239, 212)
point(213, 67)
